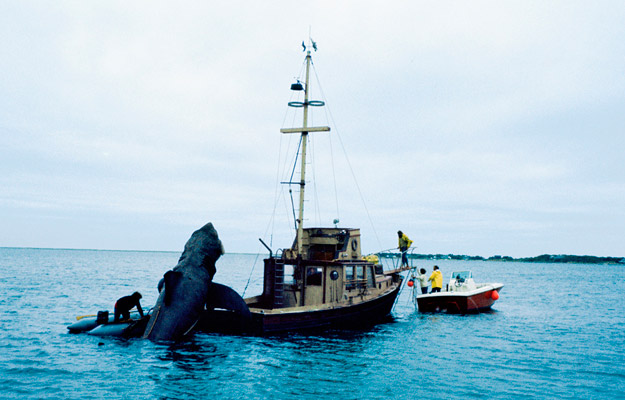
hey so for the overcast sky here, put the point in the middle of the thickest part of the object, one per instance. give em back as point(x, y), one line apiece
point(480, 128)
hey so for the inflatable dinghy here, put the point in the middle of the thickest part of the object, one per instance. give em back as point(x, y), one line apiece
point(103, 324)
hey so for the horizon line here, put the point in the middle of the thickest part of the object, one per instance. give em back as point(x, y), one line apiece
point(177, 251)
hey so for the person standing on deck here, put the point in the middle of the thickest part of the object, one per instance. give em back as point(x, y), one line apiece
point(404, 245)
point(437, 280)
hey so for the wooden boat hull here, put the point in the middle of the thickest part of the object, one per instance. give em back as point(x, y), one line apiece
point(473, 301)
point(283, 320)
point(362, 314)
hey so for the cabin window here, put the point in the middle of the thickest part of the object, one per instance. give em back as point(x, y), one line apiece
point(322, 252)
point(461, 276)
point(370, 277)
point(313, 276)
point(289, 272)
point(360, 273)
point(334, 275)
point(349, 278)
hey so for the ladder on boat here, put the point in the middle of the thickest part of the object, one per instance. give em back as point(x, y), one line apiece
point(278, 284)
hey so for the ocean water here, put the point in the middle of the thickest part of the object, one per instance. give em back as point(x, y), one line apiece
point(558, 331)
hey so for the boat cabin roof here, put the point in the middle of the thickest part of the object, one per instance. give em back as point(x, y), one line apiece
point(328, 244)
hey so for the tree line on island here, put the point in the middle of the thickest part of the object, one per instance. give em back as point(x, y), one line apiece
point(545, 258)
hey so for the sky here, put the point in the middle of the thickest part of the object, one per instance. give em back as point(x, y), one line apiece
point(479, 128)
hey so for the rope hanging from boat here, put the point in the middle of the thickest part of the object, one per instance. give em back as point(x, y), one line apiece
point(351, 169)
point(291, 181)
point(336, 195)
point(402, 287)
point(271, 224)
point(249, 278)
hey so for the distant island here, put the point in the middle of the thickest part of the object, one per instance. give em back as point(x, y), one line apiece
point(545, 258)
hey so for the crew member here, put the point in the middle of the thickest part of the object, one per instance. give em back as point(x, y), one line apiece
point(404, 244)
point(437, 280)
point(125, 304)
point(423, 281)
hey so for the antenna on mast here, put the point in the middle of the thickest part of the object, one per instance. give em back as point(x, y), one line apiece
point(311, 43)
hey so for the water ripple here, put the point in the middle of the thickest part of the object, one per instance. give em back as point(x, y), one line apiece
point(564, 340)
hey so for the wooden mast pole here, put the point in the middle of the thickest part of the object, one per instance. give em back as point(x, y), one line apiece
point(302, 184)
point(304, 131)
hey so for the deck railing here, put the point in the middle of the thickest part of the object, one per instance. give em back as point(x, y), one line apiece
point(391, 258)
point(352, 284)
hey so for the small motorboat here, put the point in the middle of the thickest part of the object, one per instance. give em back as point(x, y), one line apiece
point(462, 295)
point(103, 324)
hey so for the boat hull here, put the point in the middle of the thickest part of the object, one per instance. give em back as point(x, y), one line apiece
point(473, 301)
point(363, 314)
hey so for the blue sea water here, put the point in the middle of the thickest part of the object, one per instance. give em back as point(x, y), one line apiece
point(558, 331)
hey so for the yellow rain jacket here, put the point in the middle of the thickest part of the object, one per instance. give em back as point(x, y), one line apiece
point(437, 279)
point(404, 242)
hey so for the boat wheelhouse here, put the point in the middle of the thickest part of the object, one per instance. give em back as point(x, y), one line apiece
point(329, 285)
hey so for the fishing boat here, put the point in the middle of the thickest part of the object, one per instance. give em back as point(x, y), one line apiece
point(461, 295)
point(322, 280)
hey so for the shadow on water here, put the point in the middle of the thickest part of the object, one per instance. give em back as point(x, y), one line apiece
point(192, 354)
point(354, 332)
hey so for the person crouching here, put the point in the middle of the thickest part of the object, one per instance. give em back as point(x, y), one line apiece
point(125, 304)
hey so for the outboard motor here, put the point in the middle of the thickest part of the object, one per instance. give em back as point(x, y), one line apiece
point(103, 317)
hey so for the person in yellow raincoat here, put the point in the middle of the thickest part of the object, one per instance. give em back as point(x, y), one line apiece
point(404, 245)
point(437, 280)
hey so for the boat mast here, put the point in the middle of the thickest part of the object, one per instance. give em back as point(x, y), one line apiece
point(304, 130)
point(304, 138)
